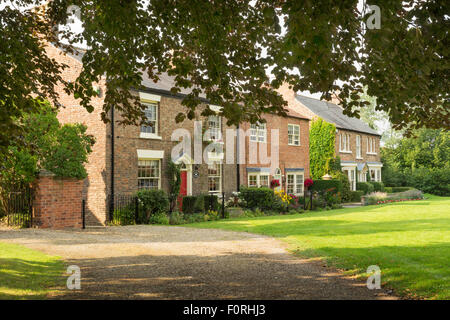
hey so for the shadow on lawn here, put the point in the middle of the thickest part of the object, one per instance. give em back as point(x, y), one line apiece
point(423, 270)
point(28, 279)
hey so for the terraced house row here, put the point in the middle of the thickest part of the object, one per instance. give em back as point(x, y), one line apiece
point(126, 159)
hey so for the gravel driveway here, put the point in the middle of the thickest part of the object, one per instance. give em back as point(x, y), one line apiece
point(156, 262)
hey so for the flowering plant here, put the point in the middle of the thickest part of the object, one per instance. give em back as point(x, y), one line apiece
point(284, 197)
point(274, 183)
point(308, 183)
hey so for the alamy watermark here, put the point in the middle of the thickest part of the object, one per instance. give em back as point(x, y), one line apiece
point(374, 280)
point(74, 280)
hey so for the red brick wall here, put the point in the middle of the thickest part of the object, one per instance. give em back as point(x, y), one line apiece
point(351, 156)
point(128, 141)
point(289, 156)
point(94, 189)
point(58, 203)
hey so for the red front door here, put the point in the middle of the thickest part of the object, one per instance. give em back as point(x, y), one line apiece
point(183, 188)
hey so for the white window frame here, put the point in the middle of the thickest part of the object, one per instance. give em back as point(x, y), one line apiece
point(295, 184)
point(358, 147)
point(150, 177)
point(258, 131)
point(258, 179)
point(151, 135)
point(215, 130)
point(215, 176)
point(344, 143)
point(371, 146)
point(295, 141)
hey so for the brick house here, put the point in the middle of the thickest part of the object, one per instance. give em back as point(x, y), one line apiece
point(292, 166)
point(127, 158)
point(357, 145)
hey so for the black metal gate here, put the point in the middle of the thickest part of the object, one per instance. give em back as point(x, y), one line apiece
point(19, 208)
point(124, 209)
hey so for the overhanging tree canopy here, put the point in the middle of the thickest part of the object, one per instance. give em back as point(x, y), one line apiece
point(223, 49)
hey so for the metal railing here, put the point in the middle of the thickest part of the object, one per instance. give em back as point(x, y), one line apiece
point(19, 208)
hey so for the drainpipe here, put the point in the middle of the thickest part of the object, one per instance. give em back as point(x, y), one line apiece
point(111, 201)
point(238, 175)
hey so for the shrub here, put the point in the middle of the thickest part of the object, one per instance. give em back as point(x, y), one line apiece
point(366, 187)
point(345, 186)
point(331, 198)
point(281, 201)
point(213, 215)
point(388, 189)
point(199, 204)
point(377, 186)
point(124, 216)
point(296, 202)
point(333, 186)
point(257, 197)
point(152, 202)
point(374, 197)
point(188, 204)
point(211, 202)
point(356, 195)
point(196, 217)
point(159, 218)
point(399, 189)
point(435, 180)
point(176, 218)
point(409, 194)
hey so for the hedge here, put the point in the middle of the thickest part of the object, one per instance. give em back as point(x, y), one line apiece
point(377, 186)
point(356, 195)
point(188, 204)
point(400, 189)
point(262, 198)
point(333, 185)
point(211, 202)
point(365, 187)
point(153, 202)
point(429, 180)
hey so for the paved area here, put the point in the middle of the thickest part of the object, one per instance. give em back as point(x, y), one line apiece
point(157, 262)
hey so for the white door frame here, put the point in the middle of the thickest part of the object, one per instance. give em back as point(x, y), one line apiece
point(188, 163)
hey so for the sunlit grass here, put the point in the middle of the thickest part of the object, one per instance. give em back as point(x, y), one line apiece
point(28, 274)
point(409, 241)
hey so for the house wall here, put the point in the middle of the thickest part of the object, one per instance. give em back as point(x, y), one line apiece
point(128, 141)
point(289, 156)
point(351, 156)
point(95, 185)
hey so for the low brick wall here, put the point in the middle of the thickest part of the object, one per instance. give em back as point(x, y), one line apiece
point(57, 203)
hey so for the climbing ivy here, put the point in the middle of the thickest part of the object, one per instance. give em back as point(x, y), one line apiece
point(321, 146)
point(174, 176)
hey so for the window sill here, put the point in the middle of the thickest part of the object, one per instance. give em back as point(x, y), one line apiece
point(342, 151)
point(359, 158)
point(372, 153)
point(151, 136)
point(293, 145)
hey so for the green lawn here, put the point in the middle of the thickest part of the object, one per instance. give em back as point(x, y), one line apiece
point(26, 273)
point(409, 241)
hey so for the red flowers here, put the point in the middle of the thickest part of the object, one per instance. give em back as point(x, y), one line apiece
point(308, 183)
point(274, 183)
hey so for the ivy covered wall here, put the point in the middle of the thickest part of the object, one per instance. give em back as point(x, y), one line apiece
point(322, 137)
